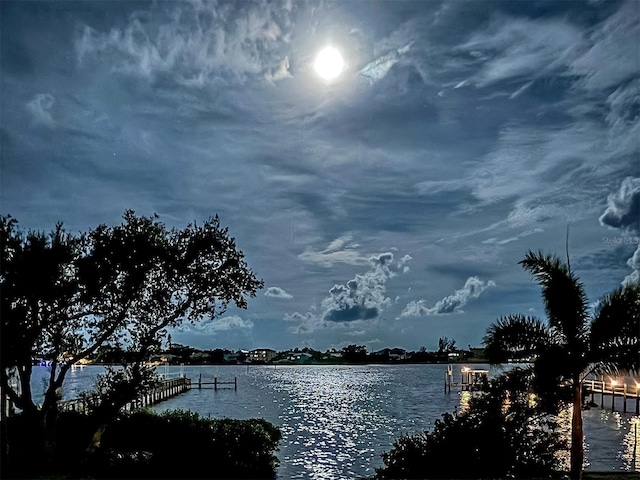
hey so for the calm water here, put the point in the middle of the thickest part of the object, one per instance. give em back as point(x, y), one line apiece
point(337, 420)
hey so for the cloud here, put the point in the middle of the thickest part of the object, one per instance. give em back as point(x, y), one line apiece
point(212, 326)
point(281, 73)
point(623, 212)
point(363, 298)
point(402, 263)
point(472, 288)
point(614, 45)
point(634, 263)
point(341, 250)
point(378, 68)
point(519, 47)
point(277, 292)
point(623, 206)
point(193, 42)
point(40, 109)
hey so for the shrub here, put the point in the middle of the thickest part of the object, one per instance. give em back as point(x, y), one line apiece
point(502, 434)
point(181, 444)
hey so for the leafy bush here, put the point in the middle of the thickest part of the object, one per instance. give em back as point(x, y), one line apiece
point(502, 434)
point(181, 444)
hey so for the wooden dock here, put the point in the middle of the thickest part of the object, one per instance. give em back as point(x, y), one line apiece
point(217, 383)
point(615, 390)
point(166, 389)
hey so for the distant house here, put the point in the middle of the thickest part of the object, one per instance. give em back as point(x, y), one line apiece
point(384, 353)
point(393, 354)
point(262, 355)
point(300, 357)
point(397, 354)
point(236, 357)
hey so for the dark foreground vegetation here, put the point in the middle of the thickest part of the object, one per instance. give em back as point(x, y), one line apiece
point(175, 444)
point(501, 434)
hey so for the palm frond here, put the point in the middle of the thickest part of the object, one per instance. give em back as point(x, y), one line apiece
point(516, 336)
point(615, 332)
point(564, 296)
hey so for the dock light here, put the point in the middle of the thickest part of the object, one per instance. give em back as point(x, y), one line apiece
point(614, 382)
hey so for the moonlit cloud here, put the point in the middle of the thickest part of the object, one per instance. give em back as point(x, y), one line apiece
point(623, 213)
point(193, 42)
point(40, 109)
point(623, 206)
point(472, 289)
point(634, 264)
point(277, 292)
point(363, 298)
point(341, 250)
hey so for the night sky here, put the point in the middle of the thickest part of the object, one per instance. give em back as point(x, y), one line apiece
point(386, 207)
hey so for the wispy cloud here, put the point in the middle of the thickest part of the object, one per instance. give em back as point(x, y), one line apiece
point(40, 109)
point(213, 326)
point(193, 42)
point(341, 250)
point(472, 288)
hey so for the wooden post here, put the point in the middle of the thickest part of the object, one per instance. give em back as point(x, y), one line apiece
point(200, 381)
point(637, 401)
point(602, 395)
point(613, 397)
point(235, 383)
point(215, 383)
point(624, 399)
point(592, 392)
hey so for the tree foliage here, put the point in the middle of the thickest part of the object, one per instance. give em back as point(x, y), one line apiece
point(571, 343)
point(68, 295)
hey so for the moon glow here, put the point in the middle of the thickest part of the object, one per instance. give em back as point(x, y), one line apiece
point(329, 63)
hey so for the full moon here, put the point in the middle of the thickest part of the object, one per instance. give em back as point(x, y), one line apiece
point(329, 63)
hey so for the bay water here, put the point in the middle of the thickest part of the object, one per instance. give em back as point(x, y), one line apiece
point(337, 420)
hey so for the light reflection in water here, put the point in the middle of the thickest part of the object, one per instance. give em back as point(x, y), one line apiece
point(630, 453)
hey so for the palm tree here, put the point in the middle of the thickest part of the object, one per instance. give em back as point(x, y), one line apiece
point(573, 343)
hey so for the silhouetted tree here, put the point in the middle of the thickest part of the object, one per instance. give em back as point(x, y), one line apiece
point(354, 353)
point(120, 286)
point(571, 344)
point(445, 345)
